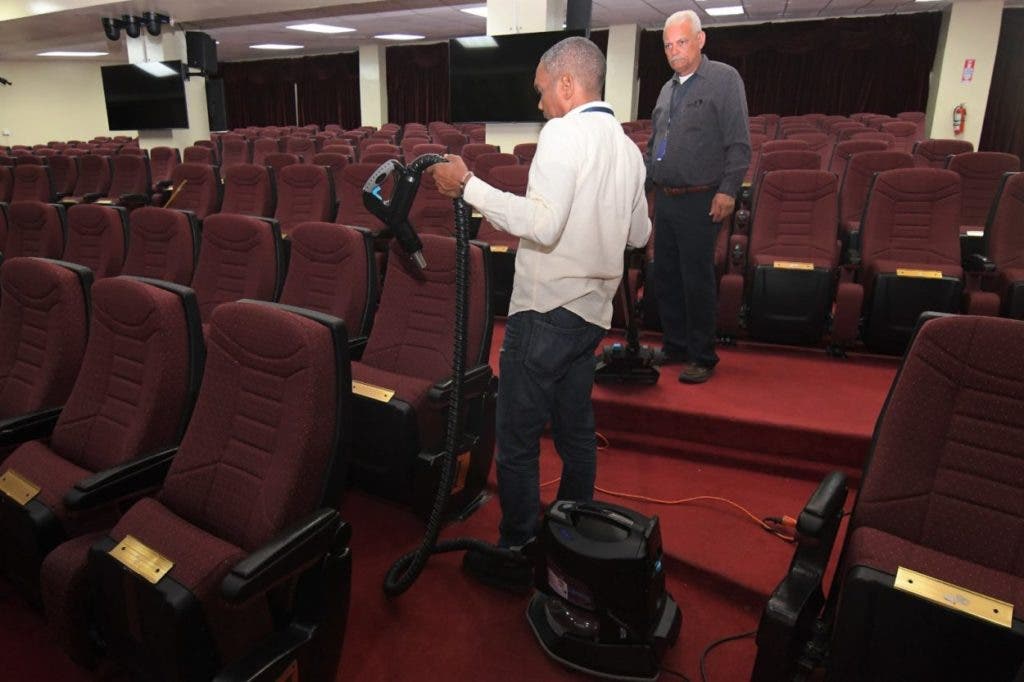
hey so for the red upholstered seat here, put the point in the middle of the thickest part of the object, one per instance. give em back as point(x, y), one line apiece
point(278, 160)
point(936, 153)
point(432, 148)
point(259, 474)
point(1004, 244)
point(263, 147)
point(432, 212)
point(304, 193)
point(249, 190)
point(200, 189)
point(35, 229)
point(332, 269)
point(783, 146)
point(471, 151)
point(409, 143)
point(199, 154)
point(981, 174)
point(64, 172)
point(785, 159)
point(130, 182)
point(486, 163)
point(235, 150)
point(842, 152)
point(93, 178)
point(512, 179)
point(300, 146)
point(131, 398)
point(525, 151)
point(857, 176)
point(239, 257)
point(334, 162)
point(97, 238)
point(32, 183)
point(350, 202)
point(904, 132)
point(162, 244)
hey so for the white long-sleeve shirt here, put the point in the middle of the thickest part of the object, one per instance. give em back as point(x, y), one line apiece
point(584, 202)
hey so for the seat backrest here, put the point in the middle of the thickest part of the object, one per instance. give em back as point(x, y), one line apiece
point(235, 150)
point(249, 190)
point(139, 377)
point(432, 212)
point(918, 118)
point(795, 218)
point(163, 244)
point(162, 161)
point(35, 229)
point(32, 183)
point(912, 215)
point(485, 163)
point(783, 146)
point(351, 210)
point(199, 154)
point(131, 176)
point(64, 173)
point(279, 160)
point(239, 257)
point(93, 175)
point(525, 151)
point(261, 451)
point(981, 173)
point(196, 188)
point(332, 269)
point(936, 153)
point(888, 138)
point(1004, 233)
point(412, 330)
point(334, 163)
point(44, 325)
point(905, 133)
point(847, 148)
point(818, 142)
point(860, 169)
point(790, 159)
point(339, 149)
point(300, 146)
point(97, 238)
point(409, 143)
point(304, 193)
point(432, 148)
point(471, 151)
point(6, 183)
point(262, 147)
point(943, 470)
point(452, 139)
point(373, 146)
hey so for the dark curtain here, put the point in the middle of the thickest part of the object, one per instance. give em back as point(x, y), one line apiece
point(329, 89)
point(1003, 130)
point(836, 66)
point(418, 89)
point(262, 92)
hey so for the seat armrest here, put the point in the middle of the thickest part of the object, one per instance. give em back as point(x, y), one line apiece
point(823, 506)
point(26, 427)
point(91, 196)
point(977, 263)
point(285, 556)
point(475, 383)
point(134, 477)
point(163, 185)
point(356, 346)
point(134, 198)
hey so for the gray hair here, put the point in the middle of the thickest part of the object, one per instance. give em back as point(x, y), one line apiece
point(685, 15)
point(581, 58)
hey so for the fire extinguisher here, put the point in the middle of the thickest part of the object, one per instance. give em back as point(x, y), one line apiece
point(959, 117)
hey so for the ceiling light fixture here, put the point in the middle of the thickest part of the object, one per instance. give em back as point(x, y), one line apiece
point(320, 28)
point(275, 46)
point(476, 11)
point(724, 11)
point(68, 53)
point(398, 36)
point(477, 41)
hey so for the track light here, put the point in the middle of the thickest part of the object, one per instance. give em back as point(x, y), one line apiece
point(132, 27)
point(111, 27)
point(153, 21)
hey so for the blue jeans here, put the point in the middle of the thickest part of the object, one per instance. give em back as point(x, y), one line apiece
point(546, 373)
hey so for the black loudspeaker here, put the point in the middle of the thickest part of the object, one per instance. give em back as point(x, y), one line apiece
point(201, 51)
point(577, 15)
point(216, 106)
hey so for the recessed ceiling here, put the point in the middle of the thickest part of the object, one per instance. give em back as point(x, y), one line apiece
point(28, 27)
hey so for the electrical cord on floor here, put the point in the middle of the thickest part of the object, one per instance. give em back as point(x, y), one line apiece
point(678, 674)
point(718, 642)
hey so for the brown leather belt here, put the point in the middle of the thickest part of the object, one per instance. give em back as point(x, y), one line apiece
point(692, 189)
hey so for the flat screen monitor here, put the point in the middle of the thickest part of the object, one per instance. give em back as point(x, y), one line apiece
point(145, 96)
point(492, 76)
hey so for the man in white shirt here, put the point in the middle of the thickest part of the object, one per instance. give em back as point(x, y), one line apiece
point(584, 203)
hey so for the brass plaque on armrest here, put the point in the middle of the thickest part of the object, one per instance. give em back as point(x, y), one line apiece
point(954, 597)
point(141, 560)
point(105, 202)
point(372, 392)
point(923, 274)
point(792, 265)
point(17, 487)
point(499, 249)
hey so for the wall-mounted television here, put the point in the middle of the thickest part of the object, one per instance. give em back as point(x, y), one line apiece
point(145, 96)
point(492, 76)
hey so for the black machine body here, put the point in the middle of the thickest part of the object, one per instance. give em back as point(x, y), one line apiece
point(394, 211)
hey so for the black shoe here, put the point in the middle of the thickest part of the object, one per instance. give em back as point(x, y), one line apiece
point(695, 374)
point(668, 357)
point(509, 574)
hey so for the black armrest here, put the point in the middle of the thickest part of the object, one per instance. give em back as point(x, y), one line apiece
point(131, 478)
point(476, 381)
point(978, 263)
point(163, 185)
point(91, 196)
point(284, 556)
point(356, 346)
point(824, 506)
point(134, 198)
point(28, 427)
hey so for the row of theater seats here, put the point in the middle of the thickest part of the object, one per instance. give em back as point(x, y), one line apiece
point(281, 419)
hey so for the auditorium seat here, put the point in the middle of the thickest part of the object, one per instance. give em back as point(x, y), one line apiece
point(525, 151)
point(163, 244)
point(35, 229)
point(340, 149)
point(792, 260)
point(304, 193)
point(757, 140)
point(485, 163)
point(936, 153)
point(32, 183)
point(397, 451)
point(787, 159)
point(239, 257)
point(783, 145)
point(130, 182)
point(162, 161)
point(258, 574)
point(452, 139)
point(195, 187)
point(93, 179)
point(409, 143)
point(130, 402)
point(97, 238)
point(939, 501)
point(910, 252)
point(503, 245)
point(351, 210)
point(200, 154)
point(235, 150)
point(856, 181)
point(263, 147)
point(842, 152)
point(332, 269)
point(905, 133)
point(64, 173)
point(249, 190)
point(817, 142)
point(472, 150)
point(888, 138)
point(1004, 244)
point(432, 212)
point(981, 174)
point(44, 324)
point(28, 159)
point(303, 147)
point(432, 148)
point(277, 161)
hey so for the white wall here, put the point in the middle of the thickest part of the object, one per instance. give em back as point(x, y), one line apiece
point(59, 100)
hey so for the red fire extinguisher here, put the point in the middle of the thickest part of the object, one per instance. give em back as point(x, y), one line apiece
point(959, 117)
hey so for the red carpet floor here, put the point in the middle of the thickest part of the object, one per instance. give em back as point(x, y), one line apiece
point(760, 433)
